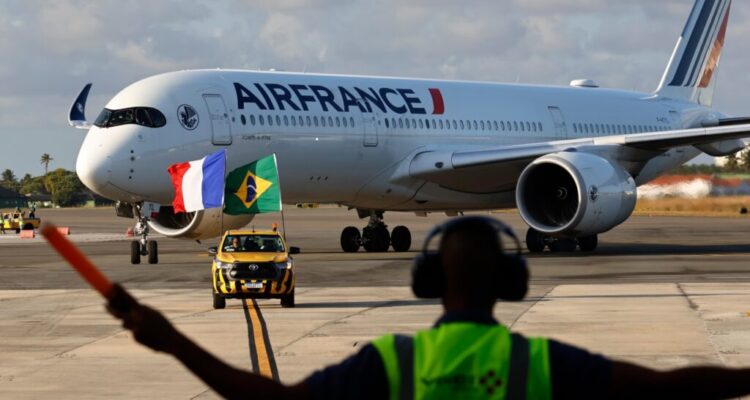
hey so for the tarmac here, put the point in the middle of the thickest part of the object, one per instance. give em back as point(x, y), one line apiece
point(662, 292)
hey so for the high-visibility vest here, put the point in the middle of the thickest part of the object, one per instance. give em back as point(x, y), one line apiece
point(466, 361)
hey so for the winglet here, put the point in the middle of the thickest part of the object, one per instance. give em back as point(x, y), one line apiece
point(77, 113)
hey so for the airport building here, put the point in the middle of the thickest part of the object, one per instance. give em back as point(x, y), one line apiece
point(12, 199)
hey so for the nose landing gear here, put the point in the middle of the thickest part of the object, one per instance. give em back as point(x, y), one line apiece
point(143, 246)
point(375, 237)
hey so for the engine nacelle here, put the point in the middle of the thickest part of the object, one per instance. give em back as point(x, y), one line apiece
point(197, 225)
point(573, 194)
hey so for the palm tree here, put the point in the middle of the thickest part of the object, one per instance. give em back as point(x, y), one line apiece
point(45, 161)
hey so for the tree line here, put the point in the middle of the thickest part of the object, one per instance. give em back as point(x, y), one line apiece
point(62, 185)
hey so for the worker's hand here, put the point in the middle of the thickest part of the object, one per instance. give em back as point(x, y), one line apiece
point(150, 328)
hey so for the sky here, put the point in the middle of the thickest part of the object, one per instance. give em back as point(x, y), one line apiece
point(52, 48)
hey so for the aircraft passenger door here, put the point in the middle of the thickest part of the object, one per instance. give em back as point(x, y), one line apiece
point(561, 129)
point(221, 129)
point(369, 129)
point(676, 121)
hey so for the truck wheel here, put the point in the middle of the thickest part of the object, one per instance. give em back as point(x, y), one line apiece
point(287, 301)
point(153, 252)
point(219, 301)
point(135, 252)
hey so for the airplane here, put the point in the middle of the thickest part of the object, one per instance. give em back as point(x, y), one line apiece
point(569, 158)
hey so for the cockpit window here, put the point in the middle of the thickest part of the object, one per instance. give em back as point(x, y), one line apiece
point(144, 116)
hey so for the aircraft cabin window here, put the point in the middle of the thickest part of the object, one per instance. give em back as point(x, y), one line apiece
point(270, 120)
point(242, 119)
point(294, 121)
point(441, 124)
point(343, 120)
point(323, 121)
point(300, 121)
point(338, 122)
point(387, 124)
point(308, 120)
point(497, 127)
point(528, 126)
point(351, 121)
point(476, 126)
point(330, 121)
point(278, 121)
point(481, 124)
point(286, 120)
point(261, 120)
point(421, 124)
point(515, 126)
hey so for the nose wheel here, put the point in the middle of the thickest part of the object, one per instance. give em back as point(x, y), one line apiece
point(375, 237)
point(143, 247)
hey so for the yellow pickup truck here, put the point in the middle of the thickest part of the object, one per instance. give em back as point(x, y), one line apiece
point(253, 264)
point(15, 221)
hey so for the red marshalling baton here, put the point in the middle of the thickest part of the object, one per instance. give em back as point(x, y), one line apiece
point(77, 260)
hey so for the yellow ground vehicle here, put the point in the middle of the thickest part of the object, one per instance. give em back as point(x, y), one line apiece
point(16, 221)
point(253, 264)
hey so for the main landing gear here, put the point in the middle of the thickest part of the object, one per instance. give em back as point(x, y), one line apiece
point(536, 242)
point(375, 237)
point(143, 246)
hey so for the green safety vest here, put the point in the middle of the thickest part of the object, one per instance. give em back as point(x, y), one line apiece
point(466, 361)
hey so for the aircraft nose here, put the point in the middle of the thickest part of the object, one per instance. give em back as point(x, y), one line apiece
point(94, 170)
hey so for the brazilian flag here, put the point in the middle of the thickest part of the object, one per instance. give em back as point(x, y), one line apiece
point(253, 188)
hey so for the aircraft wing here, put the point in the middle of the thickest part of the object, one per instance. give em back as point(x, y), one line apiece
point(496, 169)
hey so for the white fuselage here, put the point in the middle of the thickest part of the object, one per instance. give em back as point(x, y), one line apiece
point(325, 158)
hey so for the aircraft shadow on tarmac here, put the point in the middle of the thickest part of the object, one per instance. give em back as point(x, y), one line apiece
point(368, 304)
point(385, 304)
point(630, 249)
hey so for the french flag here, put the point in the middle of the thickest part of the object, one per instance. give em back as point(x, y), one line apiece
point(199, 184)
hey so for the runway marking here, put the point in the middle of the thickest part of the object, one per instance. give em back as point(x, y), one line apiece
point(261, 353)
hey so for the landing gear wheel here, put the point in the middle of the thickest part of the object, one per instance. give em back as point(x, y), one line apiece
point(153, 252)
point(219, 301)
point(350, 239)
point(588, 243)
point(18, 230)
point(287, 300)
point(401, 239)
point(135, 252)
point(563, 245)
point(535, 241)
point(28, 227)
point(377, 239)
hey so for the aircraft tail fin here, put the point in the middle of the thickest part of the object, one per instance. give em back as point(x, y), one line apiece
point(691, 73)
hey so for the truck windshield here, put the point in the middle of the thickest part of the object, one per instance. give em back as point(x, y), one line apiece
point(253, 243)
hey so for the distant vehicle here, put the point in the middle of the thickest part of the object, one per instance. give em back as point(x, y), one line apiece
point(253, 264)
point(569, 158)
point(16, 221)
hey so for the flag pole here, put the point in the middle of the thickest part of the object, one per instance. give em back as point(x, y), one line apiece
point(221, 210)
point(281, 205)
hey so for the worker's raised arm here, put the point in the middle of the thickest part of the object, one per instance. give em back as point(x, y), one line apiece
point(153, 330)
point(630, 381)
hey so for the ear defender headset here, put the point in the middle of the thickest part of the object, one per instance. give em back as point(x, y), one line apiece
point(509, 279)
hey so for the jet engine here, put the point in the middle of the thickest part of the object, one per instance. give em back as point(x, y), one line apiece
point(197, 225)
point(574, 194)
